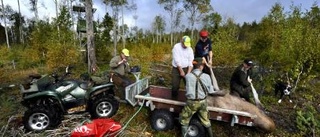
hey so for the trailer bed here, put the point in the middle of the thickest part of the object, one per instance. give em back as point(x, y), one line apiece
point(158, 97)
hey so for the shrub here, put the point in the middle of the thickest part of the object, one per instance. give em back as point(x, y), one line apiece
point(307, 121)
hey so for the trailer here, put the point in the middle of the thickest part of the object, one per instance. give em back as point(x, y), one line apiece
point(164, 109)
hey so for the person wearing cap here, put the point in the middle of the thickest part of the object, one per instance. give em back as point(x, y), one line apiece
point(119, 68)
point(198, 87)
point(182, 57)
point(240, 80)
point(203, 49)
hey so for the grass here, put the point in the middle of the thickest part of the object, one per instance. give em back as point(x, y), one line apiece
point(284, 115)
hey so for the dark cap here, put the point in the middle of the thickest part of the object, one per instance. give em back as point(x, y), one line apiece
point(197, 61)
point(248, 62)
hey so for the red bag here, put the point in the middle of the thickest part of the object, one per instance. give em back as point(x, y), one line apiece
point(97, 128)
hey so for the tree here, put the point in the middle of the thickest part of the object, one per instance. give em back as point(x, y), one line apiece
point(92, 61)
point(211, 22)
point(268, 42)
point(106, 26)
point(115, 5)
point(159, 27)
point(4, 17)
point(196, 9)
point(34, 8)
point(18, 22)
point(170, 6)
point(21, 22)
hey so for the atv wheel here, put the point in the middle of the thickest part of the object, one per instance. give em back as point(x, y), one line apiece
point(104, 107)
point(161, 120)
point(196, 129)
point(38, 119)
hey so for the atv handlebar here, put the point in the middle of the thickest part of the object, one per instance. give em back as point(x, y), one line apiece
point(58, 78)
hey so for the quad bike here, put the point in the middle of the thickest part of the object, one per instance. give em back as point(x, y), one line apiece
point(49, 97)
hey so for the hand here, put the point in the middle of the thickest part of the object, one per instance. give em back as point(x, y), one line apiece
point(249, 80)
point(182, 74)
point(122, 61)
point(210, 62)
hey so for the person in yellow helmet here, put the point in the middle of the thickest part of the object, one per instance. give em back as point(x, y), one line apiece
point(182, 57)
point(119, 68)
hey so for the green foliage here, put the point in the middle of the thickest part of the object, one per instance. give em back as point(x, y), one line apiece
point(5, 55)
point(62, 55)
point(226, 49)
point(308, 121)
point(8, 107)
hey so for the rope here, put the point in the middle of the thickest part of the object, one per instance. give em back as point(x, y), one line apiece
point(125, 126)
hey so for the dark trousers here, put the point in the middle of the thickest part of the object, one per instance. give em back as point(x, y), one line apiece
point(120, 82)
point(176, 78)
point(206, 70)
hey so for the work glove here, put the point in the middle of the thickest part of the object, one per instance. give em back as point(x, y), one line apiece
point(249, 80)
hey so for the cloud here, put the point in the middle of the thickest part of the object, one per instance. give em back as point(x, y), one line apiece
point(240, 10)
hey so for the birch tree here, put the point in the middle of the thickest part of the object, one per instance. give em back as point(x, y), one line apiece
point(4, 17)
point(196, 10)
point(115, 5)
point(159, 27)
point(34, 8)
point(171, 7)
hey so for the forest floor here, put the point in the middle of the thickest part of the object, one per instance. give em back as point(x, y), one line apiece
point(284, 115)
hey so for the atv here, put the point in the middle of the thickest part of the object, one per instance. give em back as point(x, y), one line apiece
point(49, 97)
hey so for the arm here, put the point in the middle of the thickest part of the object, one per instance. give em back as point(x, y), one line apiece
point(176, 61)
point(210, 57)
point(181, 72)
point(210, 53)
point(175, 57)
point(114, 62)
point(243, 79)
point(191, 58)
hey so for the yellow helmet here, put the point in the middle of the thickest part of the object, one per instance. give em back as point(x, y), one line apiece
point(125, 52)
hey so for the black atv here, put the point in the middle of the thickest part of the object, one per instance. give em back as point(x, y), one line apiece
point(49, 97)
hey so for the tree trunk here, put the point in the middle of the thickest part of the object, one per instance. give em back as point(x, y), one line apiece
point(5, 24)
point(92, 62)
point(57, 15)
point(20, 27)
point(115, 38)
point(123, 35)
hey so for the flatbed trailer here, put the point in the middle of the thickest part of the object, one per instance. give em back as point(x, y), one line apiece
point(165, 109)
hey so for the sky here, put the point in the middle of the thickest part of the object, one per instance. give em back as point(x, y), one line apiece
point(240, 10)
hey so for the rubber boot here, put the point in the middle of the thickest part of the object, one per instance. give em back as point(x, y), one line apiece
point(209, 132)
point(184, 131)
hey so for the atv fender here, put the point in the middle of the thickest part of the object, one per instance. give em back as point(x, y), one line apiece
point(42, 94)
point(99, 89)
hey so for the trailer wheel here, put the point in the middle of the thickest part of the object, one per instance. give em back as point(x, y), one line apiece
point(161, 120)
point(196, 129)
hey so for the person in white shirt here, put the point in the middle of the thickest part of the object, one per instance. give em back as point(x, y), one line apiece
point(182, 57)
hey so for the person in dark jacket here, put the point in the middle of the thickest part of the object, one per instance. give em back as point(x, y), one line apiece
point(241, 80)
point(203, 49)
